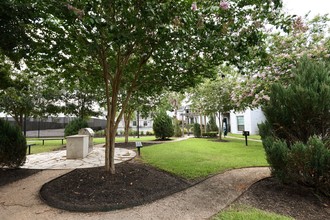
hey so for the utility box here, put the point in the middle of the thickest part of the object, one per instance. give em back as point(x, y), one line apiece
point(77, 146)
point(90, 133)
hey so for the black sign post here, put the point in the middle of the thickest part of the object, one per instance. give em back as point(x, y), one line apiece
point(246, 133)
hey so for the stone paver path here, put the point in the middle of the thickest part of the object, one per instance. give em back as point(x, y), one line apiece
point(57, 159)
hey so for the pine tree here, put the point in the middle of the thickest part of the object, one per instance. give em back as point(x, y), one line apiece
point(302, 109)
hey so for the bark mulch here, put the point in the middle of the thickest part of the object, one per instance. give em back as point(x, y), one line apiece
point(94, 189)
point(297, 201)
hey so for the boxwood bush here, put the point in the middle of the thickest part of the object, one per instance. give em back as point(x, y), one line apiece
point(12, 145)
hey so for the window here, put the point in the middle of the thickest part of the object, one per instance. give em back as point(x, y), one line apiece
point(145, 123)
point(240, 123)
point(134, 123)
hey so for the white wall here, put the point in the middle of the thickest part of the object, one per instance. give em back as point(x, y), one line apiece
point(251, 120)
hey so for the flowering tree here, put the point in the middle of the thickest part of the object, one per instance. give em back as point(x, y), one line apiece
point(214, 96)
point(307, 37)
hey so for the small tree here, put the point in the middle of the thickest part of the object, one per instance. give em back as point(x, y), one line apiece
point(163, 126)
point(12, 145)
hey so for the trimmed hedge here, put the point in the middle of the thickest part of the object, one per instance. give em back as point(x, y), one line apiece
point(12, 145)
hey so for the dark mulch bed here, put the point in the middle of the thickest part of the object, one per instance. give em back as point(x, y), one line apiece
point(11, 175)
point(93, 189)
point(291, 200)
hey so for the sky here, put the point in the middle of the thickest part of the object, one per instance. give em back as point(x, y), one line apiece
point(301, 7)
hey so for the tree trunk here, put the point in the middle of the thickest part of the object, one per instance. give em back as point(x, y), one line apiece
point(201, 122)
point(220, 125)
point(205, 124)
point(127, 117)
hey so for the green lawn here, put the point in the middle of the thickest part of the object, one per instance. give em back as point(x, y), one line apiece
point(50, 145)
point(101, 140)
point(198, 157)
point(248, 213)
point(254, 137)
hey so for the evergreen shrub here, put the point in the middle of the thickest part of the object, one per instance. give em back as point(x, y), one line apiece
point(12, 145)
point(74, 126)
point(197, 130)
point(307, 164)
point(296, 132)
point(212, 125)
point(163, 126)
point(177, 128)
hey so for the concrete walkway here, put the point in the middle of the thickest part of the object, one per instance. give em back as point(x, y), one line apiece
point(20, 200)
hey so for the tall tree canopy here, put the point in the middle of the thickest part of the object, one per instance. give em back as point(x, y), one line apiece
point(152, 44)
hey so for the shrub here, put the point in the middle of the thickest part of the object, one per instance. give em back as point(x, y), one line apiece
point(197, 130)
point(99, 133)
point(177, 128)
point(307, 164)
point(277, 157)
point(74, 126)
point(12, 145)
point(301, 109)
point(148, 133)
point(132, 132)
point(212, 125)
point(163, 126)
point(210, 134)
point(295, 134)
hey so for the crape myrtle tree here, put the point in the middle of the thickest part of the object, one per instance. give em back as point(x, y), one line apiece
point(215, 95)
point(22, 92)
point(161, 44)
point(307, 37)
point(15, 16)
point(82, 96)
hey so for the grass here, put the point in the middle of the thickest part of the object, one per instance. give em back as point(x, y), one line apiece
point(248, 213)
point(51, 145)
point(254, 137)
point(101, 140)
point(198, 158)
